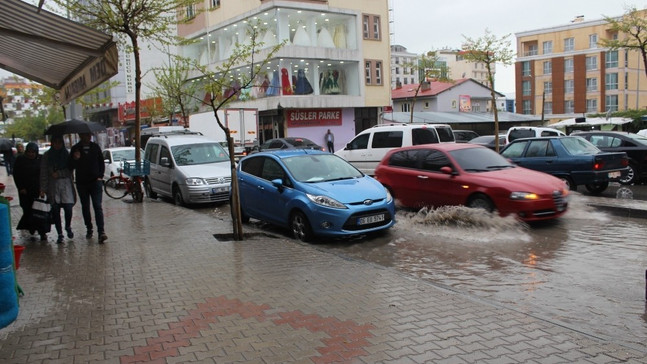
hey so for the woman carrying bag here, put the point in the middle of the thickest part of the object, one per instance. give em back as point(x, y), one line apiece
point(56, 183)
point(26, 175)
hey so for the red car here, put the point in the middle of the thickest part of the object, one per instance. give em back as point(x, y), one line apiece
point(472, 175)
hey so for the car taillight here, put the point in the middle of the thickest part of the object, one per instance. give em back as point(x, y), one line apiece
point(625, 162)
point(597, 165)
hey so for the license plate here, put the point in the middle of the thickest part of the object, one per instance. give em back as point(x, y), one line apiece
point(370, 219)
point(615, 174)
point(219, 189)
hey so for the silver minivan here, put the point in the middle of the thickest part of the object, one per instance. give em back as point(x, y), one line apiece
point(190, 168)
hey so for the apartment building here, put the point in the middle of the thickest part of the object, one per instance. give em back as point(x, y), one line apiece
point(458, 67)
point(402, 72)
point(565, 72)
point(331, 74)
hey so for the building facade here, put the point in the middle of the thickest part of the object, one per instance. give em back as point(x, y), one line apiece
point(459, 68)
point(401, 71)
point(331, 74)
point(563, 72)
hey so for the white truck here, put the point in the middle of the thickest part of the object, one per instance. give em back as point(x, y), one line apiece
point(242, 123)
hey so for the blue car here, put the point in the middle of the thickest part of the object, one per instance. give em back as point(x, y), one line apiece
point(313, 193)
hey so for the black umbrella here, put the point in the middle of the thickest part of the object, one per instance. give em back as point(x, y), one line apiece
point(74, 126)
point(5, 144)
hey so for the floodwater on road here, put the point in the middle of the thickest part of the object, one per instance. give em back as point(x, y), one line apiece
point(586, 270)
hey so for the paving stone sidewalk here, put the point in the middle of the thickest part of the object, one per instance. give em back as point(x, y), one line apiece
point(163, 289)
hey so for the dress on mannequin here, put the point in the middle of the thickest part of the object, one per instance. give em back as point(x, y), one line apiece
point(286, 87)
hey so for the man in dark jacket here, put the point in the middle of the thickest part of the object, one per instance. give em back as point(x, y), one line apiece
point(86, 159)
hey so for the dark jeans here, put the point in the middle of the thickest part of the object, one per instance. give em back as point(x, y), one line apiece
point(56, 216)
point(331, 147)
point(91, 191)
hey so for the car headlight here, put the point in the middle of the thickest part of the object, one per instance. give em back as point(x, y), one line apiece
point(523, 196)
point(389, 198)
point(326, 201)
point(195, 181)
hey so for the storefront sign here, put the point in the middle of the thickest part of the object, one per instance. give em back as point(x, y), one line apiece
point(313, 117)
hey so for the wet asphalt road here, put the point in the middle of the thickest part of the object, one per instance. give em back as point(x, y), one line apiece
point(585, 271)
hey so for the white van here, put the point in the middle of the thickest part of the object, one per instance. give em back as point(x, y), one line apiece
point(518, 132)
point(368, 148)
point(188, 167)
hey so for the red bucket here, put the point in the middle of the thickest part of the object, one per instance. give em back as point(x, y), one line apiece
point(17, 252)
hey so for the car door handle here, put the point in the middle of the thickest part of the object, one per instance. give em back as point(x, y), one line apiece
point(422, 177)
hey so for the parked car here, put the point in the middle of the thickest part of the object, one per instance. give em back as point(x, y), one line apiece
point(313, 193)
point(464, 136)
point(573, 159)
point(239, 150)
point(471, 175)
point(288, 143)
point(114, 159)
point(368, 147)
point(518, 132)
point(488, 141)
point(188, 167)
point(615, 141)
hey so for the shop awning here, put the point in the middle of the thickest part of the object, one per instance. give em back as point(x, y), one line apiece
point(54, 51)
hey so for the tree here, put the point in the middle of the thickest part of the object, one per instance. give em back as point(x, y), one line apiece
point(490, 50)
point(132, 21)
point(226, 82)
point(175, 89)
point(633, 25)
point(428, 66)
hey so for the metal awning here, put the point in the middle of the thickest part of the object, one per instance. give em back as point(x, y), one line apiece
point(54, 51)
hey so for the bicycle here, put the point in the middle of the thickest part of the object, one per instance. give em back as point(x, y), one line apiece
point(129, 181)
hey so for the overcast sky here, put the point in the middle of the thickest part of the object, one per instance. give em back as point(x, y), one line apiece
point(424, 25)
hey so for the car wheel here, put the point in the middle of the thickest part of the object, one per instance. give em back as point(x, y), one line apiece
point(301, 227)
point(149, 189)
point(631, 176)
point(597, 188)
point(569, 183)
point(481, 201)
point(177, 197)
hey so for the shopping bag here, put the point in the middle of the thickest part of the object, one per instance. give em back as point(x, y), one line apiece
point(41, 215)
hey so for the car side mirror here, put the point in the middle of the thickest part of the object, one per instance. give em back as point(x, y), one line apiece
point(447, 170)
point(165, 162)
point(278, 183)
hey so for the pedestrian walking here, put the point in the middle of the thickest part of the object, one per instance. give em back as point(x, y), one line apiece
point(86, 159)
point(56, 183)
point(26, 176)
point(9, 159)
point(330, 141)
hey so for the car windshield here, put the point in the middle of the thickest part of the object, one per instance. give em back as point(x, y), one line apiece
point(190, 154)
point(320, 168)
point(479, 159)
point(127, 154)
point(579, 146)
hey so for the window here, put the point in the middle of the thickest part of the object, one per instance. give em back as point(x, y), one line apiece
point(406, 81)
point(569, 44)
point(591, 84)
point(190, 11)
point(568, 65)
point(593, 41)
point(569, 86)
point(527, 107)
point(548, 87)
point(373, 72)
point(525, 85)
point(548, 107)
point(371, 27)
point(525, 68)
point(548, 47)
point(591, 63)
point(548, 67)
point(611, 59)
point(540, 148)
point(360, 142)
point(434, 161)
point(423, 136)
point(612, 102)
point(532, 50)
point(214, 4)
point(591, 105)
point(611, 81)
point(406, 107)
point(387, 139)
point(569, 106)
point(397, 70)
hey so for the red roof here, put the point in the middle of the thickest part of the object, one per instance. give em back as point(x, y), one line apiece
point(408, 91)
